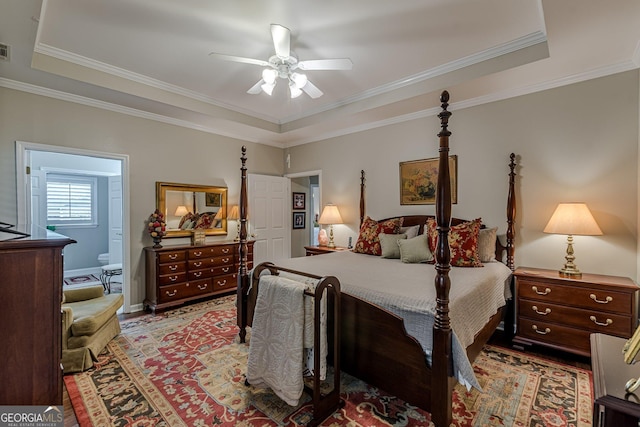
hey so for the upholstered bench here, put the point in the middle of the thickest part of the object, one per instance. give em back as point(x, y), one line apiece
point(89, 322)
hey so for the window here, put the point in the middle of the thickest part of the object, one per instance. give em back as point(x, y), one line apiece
point(71, 200)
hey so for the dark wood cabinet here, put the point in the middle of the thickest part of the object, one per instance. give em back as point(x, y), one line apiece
point(562, 312)
point(30, 315)
point(177, 274)
point(613, 406)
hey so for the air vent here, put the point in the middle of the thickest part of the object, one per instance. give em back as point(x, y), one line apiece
point(4, 51)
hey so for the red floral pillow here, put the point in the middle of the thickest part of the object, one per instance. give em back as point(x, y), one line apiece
point(204, 221)
point(463, 242)
point(369, 240)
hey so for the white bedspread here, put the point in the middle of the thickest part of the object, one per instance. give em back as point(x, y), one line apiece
point(408, 291)
point(277, 338)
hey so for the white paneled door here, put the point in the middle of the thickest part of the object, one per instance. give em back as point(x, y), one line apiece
point(269, 217)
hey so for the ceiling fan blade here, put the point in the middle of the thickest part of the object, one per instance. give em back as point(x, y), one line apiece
point(281, 40)
point(239, 59)
point(256, 88)
point(312, 90)
point(326, 64)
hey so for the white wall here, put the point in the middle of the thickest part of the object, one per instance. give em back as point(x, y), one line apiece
point(157, 152)
point(574, 143)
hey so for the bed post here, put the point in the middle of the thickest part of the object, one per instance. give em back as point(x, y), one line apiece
point(243, 275)
point(442, 361)
point(511, 214)
point(361, 197)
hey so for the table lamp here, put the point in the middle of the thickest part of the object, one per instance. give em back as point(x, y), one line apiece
point(570, 219)
point(234, 214)
point(330, 215)
point(181, 211)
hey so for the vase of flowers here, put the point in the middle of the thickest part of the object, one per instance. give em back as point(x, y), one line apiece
point(156, 226)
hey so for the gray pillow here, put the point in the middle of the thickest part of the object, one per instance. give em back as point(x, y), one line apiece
point(415, 250)
point(411, 232)
point(389, 244)
point(487, 244)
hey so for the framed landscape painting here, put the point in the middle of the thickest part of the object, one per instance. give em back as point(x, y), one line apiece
point(418, 179)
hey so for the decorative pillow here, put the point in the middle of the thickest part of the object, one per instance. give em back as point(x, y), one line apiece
point(487, 244)
point(389, 244)
point(204, 221)
point(185, 218)
point(368, 239)
point(463, 242)
point(415, 250)
point(411, 232)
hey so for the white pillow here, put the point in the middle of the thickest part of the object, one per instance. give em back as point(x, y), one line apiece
point(389, 244)
point(415, 250)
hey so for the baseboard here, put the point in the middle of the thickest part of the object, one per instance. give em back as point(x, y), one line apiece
point(83, 272)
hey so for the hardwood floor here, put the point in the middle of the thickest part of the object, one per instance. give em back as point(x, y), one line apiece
point(498, 339)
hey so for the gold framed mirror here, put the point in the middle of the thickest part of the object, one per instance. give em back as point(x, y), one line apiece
point(188, 207)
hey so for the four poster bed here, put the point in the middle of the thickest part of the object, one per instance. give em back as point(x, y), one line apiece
point(391, 338)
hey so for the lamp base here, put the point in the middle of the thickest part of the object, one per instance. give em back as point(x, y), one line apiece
point(575, 273)
point(570, 269)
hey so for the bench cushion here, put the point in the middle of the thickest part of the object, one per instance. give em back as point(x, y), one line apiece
point(90, 315)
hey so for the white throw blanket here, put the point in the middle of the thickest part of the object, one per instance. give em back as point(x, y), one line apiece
point(277, 338)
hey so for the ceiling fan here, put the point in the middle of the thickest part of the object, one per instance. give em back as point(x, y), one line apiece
point(285, 64)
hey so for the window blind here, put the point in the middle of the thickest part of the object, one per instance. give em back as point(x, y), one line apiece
point(71, 200)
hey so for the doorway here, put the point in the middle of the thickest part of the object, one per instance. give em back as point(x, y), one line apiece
point(309, 184)
point(103, 236)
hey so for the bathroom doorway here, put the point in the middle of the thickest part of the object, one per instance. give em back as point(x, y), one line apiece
point(93, 207)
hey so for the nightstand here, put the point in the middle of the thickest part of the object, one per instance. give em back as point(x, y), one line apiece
point(320, 250)
point(561, 312)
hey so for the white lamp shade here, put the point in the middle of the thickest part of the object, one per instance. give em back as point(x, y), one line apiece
point(234, 213)
point(330, 215)
point(181, 211)
point(573, 219)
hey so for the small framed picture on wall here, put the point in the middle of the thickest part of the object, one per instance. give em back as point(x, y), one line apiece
point(299, 201)
point(298, 220)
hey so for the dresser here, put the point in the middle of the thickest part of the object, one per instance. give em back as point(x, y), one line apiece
point(30, 315)
point(561, 312)
point(178, 274)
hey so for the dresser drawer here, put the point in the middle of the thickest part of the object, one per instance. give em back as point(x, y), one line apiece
point(184, 290)
point(594, 321)
point(196, 264)
point(172, 279)
point(224, 270)
point(225, 282)
point(596, 299)
point(223, 250)
point(223, 260)
point(165, 257)
point(204, 273)
point(172, 268)
point(200, 252)
point(555, 335)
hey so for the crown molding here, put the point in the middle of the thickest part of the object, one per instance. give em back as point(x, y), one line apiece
point(90, 102)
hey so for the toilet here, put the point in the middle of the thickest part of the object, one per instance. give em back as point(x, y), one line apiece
point(103, 259)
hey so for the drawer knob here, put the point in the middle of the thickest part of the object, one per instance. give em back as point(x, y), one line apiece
point(224, 282)
point(198, 253)
point(173, 267)
point(594, 320)
point(172, 293)
point(197, 273)
point(225, 269)
point(545, 292)
point(203, 286)
point(225, 250)
point(607, 300)
point(173, 278)
point(173, 256)
point(226, 260)
point(545, 332)
point(542, 313)
point(197, 264)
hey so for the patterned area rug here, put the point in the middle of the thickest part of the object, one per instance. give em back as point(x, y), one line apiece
point(186, 368)
point(87, 279)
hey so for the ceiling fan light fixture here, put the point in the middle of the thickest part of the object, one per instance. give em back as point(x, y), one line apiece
point(299, 79)
point(295, 90)
point(269, 75)
point(268, 88)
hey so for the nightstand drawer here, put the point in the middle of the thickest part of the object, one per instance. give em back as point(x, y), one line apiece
point(554, 335)
point(609, 323)
point(589, 298)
